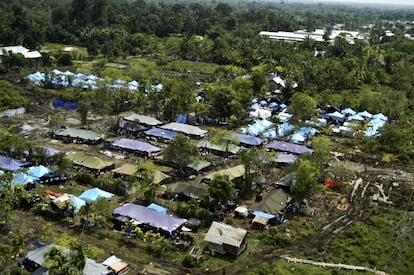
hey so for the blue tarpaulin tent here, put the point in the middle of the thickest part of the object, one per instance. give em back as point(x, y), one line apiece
point(248, 140)
point(267, 216)
point(158, 208)
point(135, 145)
point(94, 194)
point(38, 171)
point(161, 133)
point(144, 215)
point(77, 202)
point(10, 164)
point(348, 111)
point(289, 147)
point(22, 178)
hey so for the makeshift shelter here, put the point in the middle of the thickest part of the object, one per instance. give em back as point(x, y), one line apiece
point(127, 127)
point(94, 194)
point(76, 202)
point(336, 116)
point(356, 117)
point(131, 169)
point(380, 116)
point(287, 181)
point(247, 140)
point(136, 146)
point(10, 164)
point(348, 111)
point(156, 221)
point(77, 135)
point(261, 113)
point(158, 208)
point(223, 238)
point(262, 219)
point(22, 178)
point(162, 134)
point(38, 171)
point(36, 259)
point(117, 266)
point(186, 191)
point(95, 164)
point(186, 129)
point(274, 202)
point(221, 149)
point(241, 211)
point(289, 147)
point(297, 138)
point(233, 173)
point(143, 120)
point(365, 114)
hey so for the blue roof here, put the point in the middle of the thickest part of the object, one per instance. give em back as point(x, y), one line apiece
point(22, 178)
point(263, 215)
point(77, 202)
point(161, 133)
point(10, 164)
point(38, 171)
point(94, 194)
point(158, 208)
point(248, 140)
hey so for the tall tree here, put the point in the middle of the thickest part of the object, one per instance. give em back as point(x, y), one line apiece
point(220, 190)
point(306, 181)
point(181, 152)
point(252, 163)
point(303, 107)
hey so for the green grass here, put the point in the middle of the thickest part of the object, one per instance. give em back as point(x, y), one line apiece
point(185, 66)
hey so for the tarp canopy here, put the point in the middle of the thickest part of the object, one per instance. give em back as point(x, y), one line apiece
point(279, 158)
point(289, 147)
point(141, 119)
point(229, 149)
point(348, 111)
point(38, 171)
point(76, 202)
point(336, 115)
point(356, 117)
point(136, 145)
point(265, 215)
point(185, 129)
point(158, 208)
point(287, 180)
point(297, 138)
point(365, 114)
point(50, 152)
point(10, 164)
point(274, 202)
point(195, 191)
point(22, 178)
point(247, 140)
point(161, 133)
point(78, 133)
point(144, 215)
point(380, 116)
point(94, 194)
point(233, 172)
point(89, 162)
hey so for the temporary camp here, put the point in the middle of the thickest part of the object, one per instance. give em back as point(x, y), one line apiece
point(289, 147)
point(233, 173)
point(95, 164)
point(146, 217)
point(136, 146)
point(223, 238)
point(186, 129)
point(10, 164)
point(94, 194)
point(77, 135)
point(38, 171)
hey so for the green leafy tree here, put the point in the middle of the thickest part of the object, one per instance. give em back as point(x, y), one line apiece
point(303, 107)
point(181, 152)
point(225, 138)
point(252, 164)
point(306, 181)
point(220, 190)
point(321, 152)
point(145, 184)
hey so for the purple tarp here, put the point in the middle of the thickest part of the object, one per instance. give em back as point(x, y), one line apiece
point(10, 164)
point(161, 133)
point(248, 140)
point(135, 145)
point(289, 147)
point(148, 216)
point(285, 158)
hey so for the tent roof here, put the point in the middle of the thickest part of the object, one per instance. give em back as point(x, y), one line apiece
point(161, 133)
point(231, 148)
point(273, 202)
point(77, 202)
point(287, 180)
point(10, 164)
point(90, 162)
point(141, 119)
point(233, 172)
point(220, 233)
point(195, 191)
point(248, 140)
point(38, 171)
point(289, 147)
point(264, 215)
point(78, 133)
point(22, 178)
point(185, 129)
point(145, 215)
point(135, 145)
point(348, 111)
point(94, 194)
point(158, 208)
point(131, 169)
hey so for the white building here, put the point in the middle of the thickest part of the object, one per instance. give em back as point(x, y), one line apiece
point(20, 49)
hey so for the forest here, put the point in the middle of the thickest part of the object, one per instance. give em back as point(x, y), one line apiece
point(211, 62)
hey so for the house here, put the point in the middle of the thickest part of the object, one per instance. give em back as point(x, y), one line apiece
point(188, 130)
point(77, 136)
point(226, 239)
